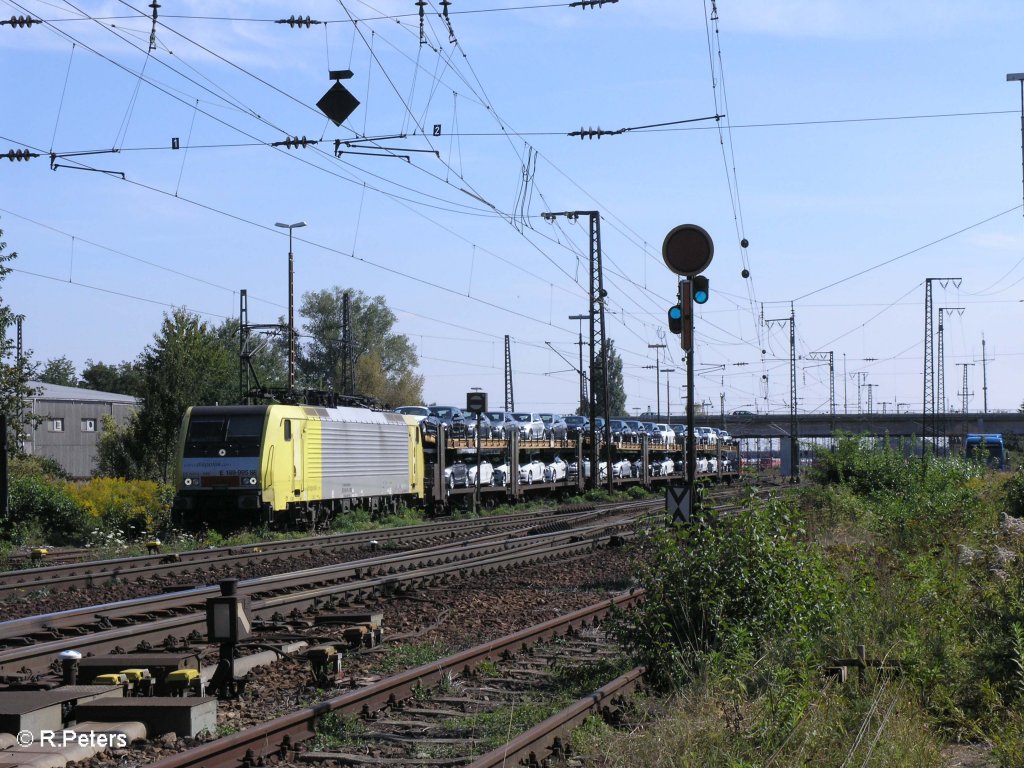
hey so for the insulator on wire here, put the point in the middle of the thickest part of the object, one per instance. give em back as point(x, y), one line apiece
point(293, 22)
point(20, 154)
point(294, 142)
point(21, 21)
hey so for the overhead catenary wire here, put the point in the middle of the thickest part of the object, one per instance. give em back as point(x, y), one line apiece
point(620, 288)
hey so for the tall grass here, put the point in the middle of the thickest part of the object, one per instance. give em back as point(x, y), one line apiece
point(745, 614)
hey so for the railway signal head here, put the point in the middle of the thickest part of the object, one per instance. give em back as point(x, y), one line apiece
point(675, 318)
point(701, 289)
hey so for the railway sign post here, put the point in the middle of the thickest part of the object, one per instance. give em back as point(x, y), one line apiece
point(476, 402)
point(679, 502)
point(688, 251)
point(227, 622)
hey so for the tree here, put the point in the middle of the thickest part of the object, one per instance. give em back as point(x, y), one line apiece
point(59, 370)
point(185, 365)
point(123, 378)
point(119, 452)
point(15, 373)
point(386, 361)
point(616, 384)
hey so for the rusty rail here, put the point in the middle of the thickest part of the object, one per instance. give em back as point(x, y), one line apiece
point(435, 567)
point(279, 736)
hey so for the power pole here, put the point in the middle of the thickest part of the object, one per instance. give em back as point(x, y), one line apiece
point(846, 402)
point(831, 383)
point(928, 423)
point(941, 383)
point(657, 389)
point(871, 389)
point(598, 341)
point(861, 379)
point(583, 376)
point(291, 303)
point(19, 361)
point(657, 379)
point(510, 400)
point(794, 471)
point(984, 376)
point(348, 347)
point(964, 393)
point(668, 394)
point(243, 346)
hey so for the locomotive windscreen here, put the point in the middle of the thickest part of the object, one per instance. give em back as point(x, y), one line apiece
point(240, 433)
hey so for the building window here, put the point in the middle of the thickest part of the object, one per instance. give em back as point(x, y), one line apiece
point(88, 425)
point(56, 425)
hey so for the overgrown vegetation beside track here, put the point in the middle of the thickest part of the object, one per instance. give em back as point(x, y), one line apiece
point(116, 517)
point(747, 612)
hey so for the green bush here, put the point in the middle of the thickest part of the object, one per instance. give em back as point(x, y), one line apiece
point(915, 505)
point(44, 510)
point(637, 492)
point(725, 587)
point(36, 466)
point(1015, 493)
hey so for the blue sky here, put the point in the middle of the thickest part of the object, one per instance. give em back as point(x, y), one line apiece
point(854, 134)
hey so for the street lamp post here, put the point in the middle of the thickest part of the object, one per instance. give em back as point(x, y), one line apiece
point(291, 302)
point(1019, 78)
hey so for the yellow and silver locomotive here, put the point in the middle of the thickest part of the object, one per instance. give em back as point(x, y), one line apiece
point(292, 465)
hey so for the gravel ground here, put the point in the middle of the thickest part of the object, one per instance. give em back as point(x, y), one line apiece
point(42, 600)
point(428, 624)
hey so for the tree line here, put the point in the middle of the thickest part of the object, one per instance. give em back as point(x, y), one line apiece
point(194, 362)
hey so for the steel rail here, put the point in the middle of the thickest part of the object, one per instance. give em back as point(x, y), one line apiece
point(279, 736)
point(172, 601)
point(531, 746)
point(39, 656)
point(87, 574)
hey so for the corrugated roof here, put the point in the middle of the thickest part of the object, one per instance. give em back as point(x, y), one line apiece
point(58, 392)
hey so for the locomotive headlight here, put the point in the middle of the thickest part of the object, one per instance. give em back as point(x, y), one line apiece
point(252, 481)
point(188, 481)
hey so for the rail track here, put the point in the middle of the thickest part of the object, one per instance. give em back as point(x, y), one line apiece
point(292, 604)
point(90, 573)
point(281, 738)
point(177, 620)
point(84, 574)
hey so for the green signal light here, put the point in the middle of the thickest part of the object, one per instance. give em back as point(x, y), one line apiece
point(675, 319)
point(701, 289)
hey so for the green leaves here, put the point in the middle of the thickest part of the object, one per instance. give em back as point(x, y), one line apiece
point(732, 585)
point(386, 361)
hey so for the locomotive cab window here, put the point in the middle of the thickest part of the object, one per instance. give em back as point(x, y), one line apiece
point(206, 430)
point(245, 427)
point(220, 434)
